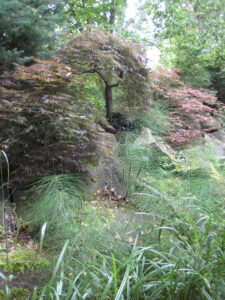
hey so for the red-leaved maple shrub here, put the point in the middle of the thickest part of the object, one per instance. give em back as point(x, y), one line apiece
point(192, 112)
point(45, 127)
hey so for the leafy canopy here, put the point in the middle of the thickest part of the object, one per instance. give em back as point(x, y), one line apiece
point(107, 13)
point(191, 37)
point(116, 61)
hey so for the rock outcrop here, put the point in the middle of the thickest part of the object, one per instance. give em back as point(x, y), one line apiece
point(109, 171)
point(164, 152)
point(218, 138)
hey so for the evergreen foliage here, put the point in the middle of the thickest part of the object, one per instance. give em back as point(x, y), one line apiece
point(27, 30)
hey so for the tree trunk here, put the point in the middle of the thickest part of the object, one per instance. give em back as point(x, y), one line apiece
point(112, 14)
point(108, 102)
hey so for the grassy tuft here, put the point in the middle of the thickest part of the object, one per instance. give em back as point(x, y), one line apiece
point(56, 201)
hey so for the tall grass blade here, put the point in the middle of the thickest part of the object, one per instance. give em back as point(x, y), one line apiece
point(114, 274)
point(122, 286)
point(49, 286)
point(43, 292)
point(43, 230)
point(208, 225)
point(60, 259)
point(34, 295)
point(206, 295)
point(2, 153)
point(194, 228)
point(4, 199)
point(139, 170)
point(160, 229)
point(70, 290)
point(8, 292)
point(17, 224)
point(106, 289)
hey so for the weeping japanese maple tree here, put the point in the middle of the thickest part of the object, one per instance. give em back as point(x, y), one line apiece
point(115, 60)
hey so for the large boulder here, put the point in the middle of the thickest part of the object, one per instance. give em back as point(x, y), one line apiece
point(108, 173)
point(218, 139)
point(207, 158)
point(164, 151)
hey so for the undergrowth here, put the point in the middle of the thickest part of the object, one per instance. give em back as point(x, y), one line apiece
point(57, 200)
point(156, 119)
point(187, 262)
point(178, 255)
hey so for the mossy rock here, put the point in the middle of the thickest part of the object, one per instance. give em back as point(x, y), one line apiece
point(16, 293)
point(22, 259)
point(97, 217)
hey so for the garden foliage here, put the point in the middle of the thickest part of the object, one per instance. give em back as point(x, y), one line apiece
point(45, 125)
point(192, 112)
point(107, 13)
point(191, 37)
point(116, 61)
point(27, 30)
point(47, 113)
